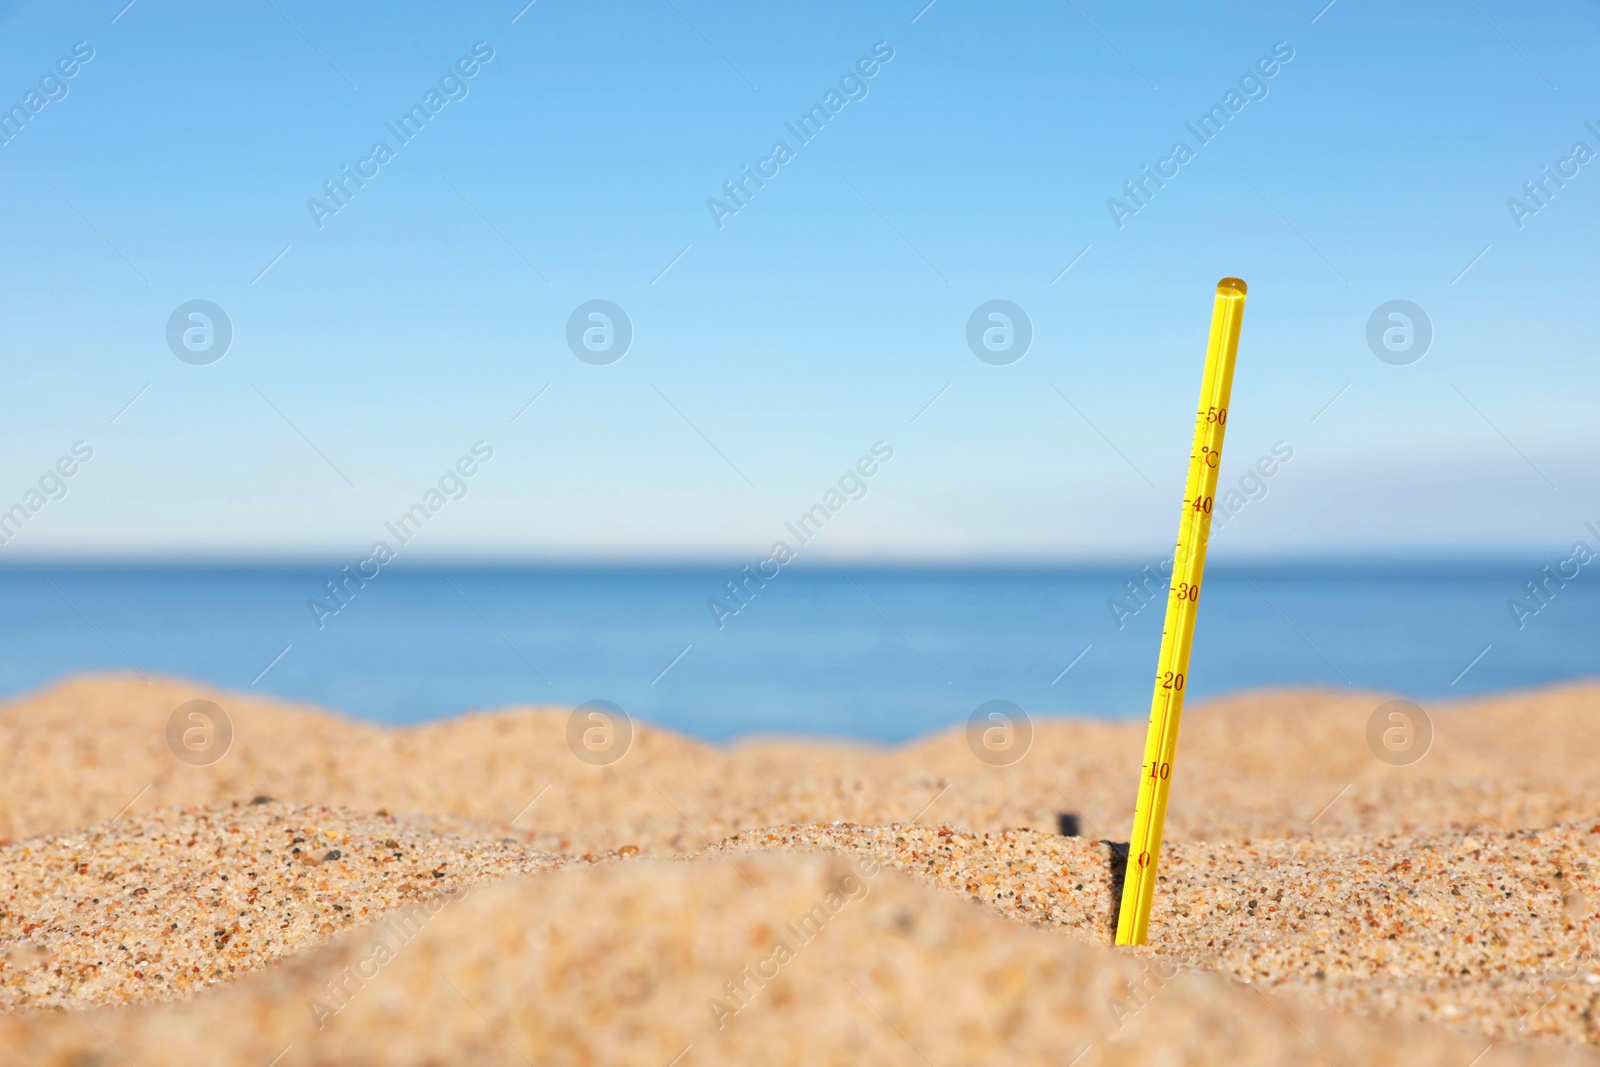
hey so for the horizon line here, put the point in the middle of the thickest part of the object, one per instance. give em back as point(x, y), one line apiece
point(1411, 559)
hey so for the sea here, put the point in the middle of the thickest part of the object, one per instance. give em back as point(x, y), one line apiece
point(878, 653)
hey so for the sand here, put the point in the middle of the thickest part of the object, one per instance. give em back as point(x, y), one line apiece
point(155, 907)
point(1317, 904)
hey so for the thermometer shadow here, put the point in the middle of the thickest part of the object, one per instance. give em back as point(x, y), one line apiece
point(1118, 868)
point(1072, 824)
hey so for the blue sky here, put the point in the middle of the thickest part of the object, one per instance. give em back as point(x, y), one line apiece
point(769, 353)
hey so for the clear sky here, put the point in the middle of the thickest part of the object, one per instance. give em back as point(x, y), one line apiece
point(378, 336)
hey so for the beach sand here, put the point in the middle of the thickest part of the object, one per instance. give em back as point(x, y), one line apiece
point(330, 891)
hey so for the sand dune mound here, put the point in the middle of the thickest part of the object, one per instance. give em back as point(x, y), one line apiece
point(1319, 899)
point(775, 960)
point(1283, 763)
point(1496, 934)
point(160, 905)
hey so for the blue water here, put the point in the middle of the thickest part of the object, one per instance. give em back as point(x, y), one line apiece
point(884, 654)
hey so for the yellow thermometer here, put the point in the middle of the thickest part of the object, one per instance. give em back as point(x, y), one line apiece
point(1183, 604)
